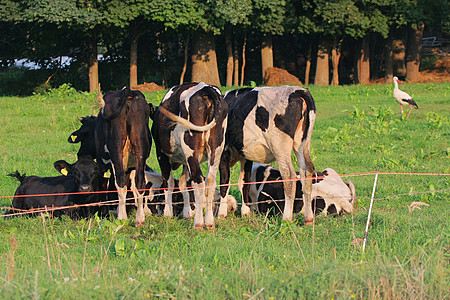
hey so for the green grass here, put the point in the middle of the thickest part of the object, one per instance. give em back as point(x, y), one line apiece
point(357, 129)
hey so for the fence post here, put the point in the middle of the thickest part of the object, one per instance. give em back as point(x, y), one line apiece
point(370, 211)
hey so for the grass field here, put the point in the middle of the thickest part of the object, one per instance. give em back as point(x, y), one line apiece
point(357, 129)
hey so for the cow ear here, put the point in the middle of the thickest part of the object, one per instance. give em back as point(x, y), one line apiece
point(107, 174)
point(75, 137)
point(63, 167)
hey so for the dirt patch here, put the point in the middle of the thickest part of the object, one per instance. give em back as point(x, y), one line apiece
point(277, 76)
point(437, 73)
point(147, 87)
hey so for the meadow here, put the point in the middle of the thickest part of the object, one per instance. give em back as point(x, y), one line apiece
point(358, 128)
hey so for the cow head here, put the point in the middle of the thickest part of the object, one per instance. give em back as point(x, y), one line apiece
point(340, 197)
point(86, 136)
point(85, 172)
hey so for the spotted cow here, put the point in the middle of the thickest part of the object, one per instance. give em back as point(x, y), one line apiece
point(266, 124)
point(330, 195)
point(189, 128)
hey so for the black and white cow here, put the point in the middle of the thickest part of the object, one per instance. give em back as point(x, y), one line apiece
point(330, 194)
point(266, 124)
point(189, 128)
point(83, 176)
point(123, 140)
point(154, 193)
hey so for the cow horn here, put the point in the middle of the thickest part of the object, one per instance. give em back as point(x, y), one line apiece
point(351, 186)
point(101, 101)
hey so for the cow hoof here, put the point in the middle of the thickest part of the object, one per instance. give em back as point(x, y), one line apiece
point(245, 210)
point(198, 227)
point(309, 222)
point(210, 226)
point(139, 224)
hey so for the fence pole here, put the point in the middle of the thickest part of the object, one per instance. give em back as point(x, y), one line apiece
point(370, 211)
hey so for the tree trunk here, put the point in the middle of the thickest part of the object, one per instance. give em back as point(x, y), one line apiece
point(415, 34)
point(399, 53)
point(322, 67)
point(335, 56)
point(266, 54)
point(204, 60)
point(230, 65)
point(183, 71)
point(363, 64)
point(243, 61)
point(133, 62)
point(93, 64)
point(308, 64)
point(388, 65)
point(236, 63)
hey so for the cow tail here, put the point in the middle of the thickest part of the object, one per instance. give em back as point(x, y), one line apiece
point(185, 123)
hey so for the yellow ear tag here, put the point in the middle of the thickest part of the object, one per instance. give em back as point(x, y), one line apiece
point(107, 174)
point(73, 137)
point(64, 172)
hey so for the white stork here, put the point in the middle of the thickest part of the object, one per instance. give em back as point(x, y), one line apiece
point(403, 98)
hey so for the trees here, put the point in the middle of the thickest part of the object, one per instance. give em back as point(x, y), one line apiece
point(195, 20)
point(268, 20)
point(43, 29)
point(233, 19)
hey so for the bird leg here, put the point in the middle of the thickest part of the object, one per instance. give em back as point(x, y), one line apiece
point(410, 109)
point(401, 106)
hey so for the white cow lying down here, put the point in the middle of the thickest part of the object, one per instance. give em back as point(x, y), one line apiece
point(153, 181)
point(329, 193)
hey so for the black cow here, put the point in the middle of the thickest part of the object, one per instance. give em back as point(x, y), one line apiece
point(119, 138)
point(85, 135)
point(330, 195)
point(266, 124)
point(84, 176)
point(189, 128)
point(123, 141)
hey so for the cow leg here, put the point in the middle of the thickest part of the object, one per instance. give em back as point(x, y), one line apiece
point(210, 189)
point(147, 199)
point(168, 194)
point(119, 181)
point(166, 172)
point(244, 177)
point(140, 184)
point(187, 211)
point(198, 184)
point(306, 171)
point(224, 168)
point(287, 173)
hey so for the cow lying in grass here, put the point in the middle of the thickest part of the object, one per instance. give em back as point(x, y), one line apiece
point(330, 195)
point(83, 176)
point(155, 193)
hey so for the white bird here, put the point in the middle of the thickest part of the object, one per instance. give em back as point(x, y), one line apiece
point(403, 98)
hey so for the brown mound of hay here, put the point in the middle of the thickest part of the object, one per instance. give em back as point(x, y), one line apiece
point(147, 87)
point(277, 76)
